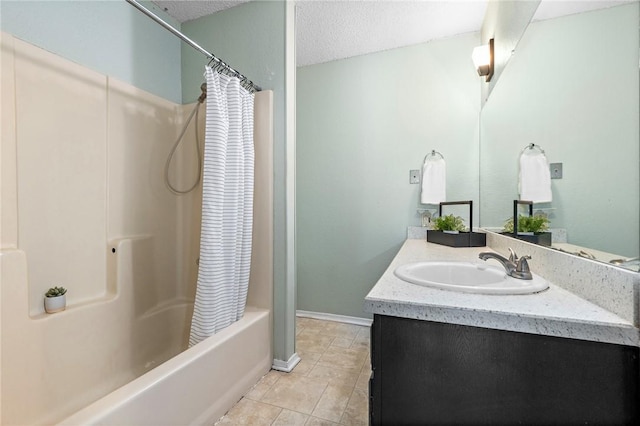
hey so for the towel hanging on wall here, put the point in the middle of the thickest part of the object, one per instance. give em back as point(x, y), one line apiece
point(535, 176)
point(434, 179)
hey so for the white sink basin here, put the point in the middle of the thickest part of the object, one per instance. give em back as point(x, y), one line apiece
point(468, 277)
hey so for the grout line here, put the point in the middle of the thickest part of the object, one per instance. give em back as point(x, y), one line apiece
point(346, 406)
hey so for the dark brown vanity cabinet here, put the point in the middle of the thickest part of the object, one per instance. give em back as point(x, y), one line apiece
point(429, 373)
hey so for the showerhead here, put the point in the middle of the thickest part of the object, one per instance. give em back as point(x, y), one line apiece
point(203, 95)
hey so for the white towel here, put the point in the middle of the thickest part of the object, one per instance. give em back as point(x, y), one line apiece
point(434, 182)
point(535, 178)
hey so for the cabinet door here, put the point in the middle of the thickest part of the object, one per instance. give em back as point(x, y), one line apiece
point(434, 373)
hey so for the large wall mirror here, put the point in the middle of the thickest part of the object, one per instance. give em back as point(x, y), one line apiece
point(572, 88)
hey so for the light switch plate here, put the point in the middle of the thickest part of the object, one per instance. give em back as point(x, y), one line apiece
point(414, 176)
point(556, 170)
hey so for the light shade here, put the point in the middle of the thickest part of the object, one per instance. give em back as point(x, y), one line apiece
point(482, 57)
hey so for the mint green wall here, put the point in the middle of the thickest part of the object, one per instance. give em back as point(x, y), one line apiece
point(571, 87)
point(251, 38)
point(110, 37)
point(362, 124)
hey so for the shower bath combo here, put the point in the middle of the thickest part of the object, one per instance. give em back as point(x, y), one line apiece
point(126, 251)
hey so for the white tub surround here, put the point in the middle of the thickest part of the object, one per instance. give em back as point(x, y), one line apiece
point(554, 312)
point(128, 257)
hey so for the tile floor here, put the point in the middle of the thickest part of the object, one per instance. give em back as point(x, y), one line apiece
point(328, 387)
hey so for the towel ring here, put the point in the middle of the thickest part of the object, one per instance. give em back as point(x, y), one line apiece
point(532, 146)
point(433, 153)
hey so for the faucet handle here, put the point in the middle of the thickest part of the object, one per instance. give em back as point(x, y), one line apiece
point(523, 265)
point(513, 257)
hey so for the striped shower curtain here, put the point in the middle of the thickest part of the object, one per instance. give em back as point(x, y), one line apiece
point(227, 207)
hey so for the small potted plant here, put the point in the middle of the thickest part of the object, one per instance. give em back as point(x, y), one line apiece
point(450, 230)
point(530, 228)
point(449, 224)
point(55, 300)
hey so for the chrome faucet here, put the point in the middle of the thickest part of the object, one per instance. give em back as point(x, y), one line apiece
point(516, 267)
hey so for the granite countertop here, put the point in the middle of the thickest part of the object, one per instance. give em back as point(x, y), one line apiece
point(553, 312)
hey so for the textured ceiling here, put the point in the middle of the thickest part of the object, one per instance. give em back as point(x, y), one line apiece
point(187, 10)
point(327, 30)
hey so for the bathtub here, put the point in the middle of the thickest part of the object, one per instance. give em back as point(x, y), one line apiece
point(198, 386)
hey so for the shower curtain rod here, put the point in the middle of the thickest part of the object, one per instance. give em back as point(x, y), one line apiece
point(244, 81)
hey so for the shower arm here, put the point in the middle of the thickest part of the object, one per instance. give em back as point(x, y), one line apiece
point(250, 85)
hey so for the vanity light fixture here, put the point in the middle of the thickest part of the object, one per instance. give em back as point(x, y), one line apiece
point(483, 60)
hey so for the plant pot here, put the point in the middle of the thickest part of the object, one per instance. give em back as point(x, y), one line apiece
point(455, 238)
point(541, 238)
point(461, 239)
point(55, 304)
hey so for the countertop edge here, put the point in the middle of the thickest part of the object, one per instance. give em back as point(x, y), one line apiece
point(622, 334)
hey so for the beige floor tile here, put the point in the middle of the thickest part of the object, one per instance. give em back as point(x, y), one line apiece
point(333, 402)
point(328, 386)
point(334, 376)
point(296, 393)
point(313, 343)
point(314, 421)
point(367, 362)
point(342, 342)
point(307, 333)
point(362, 339)
point(364, 332)
point(346, 331)
point(343, 358)
point(303, 322)
point(291, 418)
point(264, 385)
point(314, 324)
point(363, 380)
point(310, 356)
point(357, 411)
point(249, 412)
point(303, 367)
point(359, 345)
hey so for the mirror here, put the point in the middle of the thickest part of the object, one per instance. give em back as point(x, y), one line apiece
point(572, 88)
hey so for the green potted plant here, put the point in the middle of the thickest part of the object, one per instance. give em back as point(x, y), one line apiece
point(450, 230)
point(449, 224)
point(55, 300)
point(530, 228)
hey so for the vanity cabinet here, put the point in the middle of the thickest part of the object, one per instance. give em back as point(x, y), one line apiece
point(431, 373)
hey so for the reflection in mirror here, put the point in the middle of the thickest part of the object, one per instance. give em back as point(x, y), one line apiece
point(572, 88)
point(504, 22)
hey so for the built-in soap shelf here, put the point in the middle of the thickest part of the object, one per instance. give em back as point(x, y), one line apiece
point(72, 307)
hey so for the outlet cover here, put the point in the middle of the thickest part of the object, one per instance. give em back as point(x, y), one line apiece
point(414, 176)
point(556, 170)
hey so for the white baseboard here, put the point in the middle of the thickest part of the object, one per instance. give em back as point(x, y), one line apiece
point(333, 317)
point(286, 366)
